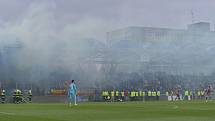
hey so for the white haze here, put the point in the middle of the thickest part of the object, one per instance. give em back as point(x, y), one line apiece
point(50, 45)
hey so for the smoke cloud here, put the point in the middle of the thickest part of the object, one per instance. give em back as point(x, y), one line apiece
point(41, 44)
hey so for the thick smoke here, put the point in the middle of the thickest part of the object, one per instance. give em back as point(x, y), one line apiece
point(47, 49)
point(39, 46)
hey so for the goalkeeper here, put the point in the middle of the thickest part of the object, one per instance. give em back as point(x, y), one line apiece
point(72, 92)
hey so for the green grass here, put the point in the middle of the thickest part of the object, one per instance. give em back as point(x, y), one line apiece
point(125, 111)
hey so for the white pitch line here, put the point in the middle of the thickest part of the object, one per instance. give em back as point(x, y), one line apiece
point(6, 113)
point(175, 107)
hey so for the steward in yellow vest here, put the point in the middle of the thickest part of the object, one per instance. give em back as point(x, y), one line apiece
point(186, 94)
point(143, 93)
point(158, 95)
point(149, 95)
point(112, 95)
point(154, 95)
point(117, 95)
point(30, 95)
point(167, 93)
point(132, 95)
point(136, 94)
point(122, 96)
point(2, 96)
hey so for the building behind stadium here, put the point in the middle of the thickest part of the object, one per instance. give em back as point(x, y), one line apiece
point(151, 49)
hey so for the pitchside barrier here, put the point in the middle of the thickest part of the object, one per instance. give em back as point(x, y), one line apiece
point(64, 99)
point(96, 96)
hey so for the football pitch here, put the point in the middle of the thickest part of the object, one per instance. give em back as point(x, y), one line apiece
point(109, 111)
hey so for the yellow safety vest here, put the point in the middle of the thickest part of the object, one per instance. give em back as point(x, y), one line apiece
point(140, 92)
point(122, 94)
point(202, 93)
point(158, 93)
point(117, 93)
point(112, 93)
point(132, 94)
point(30, 93)
point(167, 93)
point(186, 93)
point(199, 93)
point(103, 93)
point(154, 93)
point(144, 93)
point(149, 93)
point(136, 94)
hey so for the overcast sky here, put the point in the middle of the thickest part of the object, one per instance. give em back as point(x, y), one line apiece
point(112, 14)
